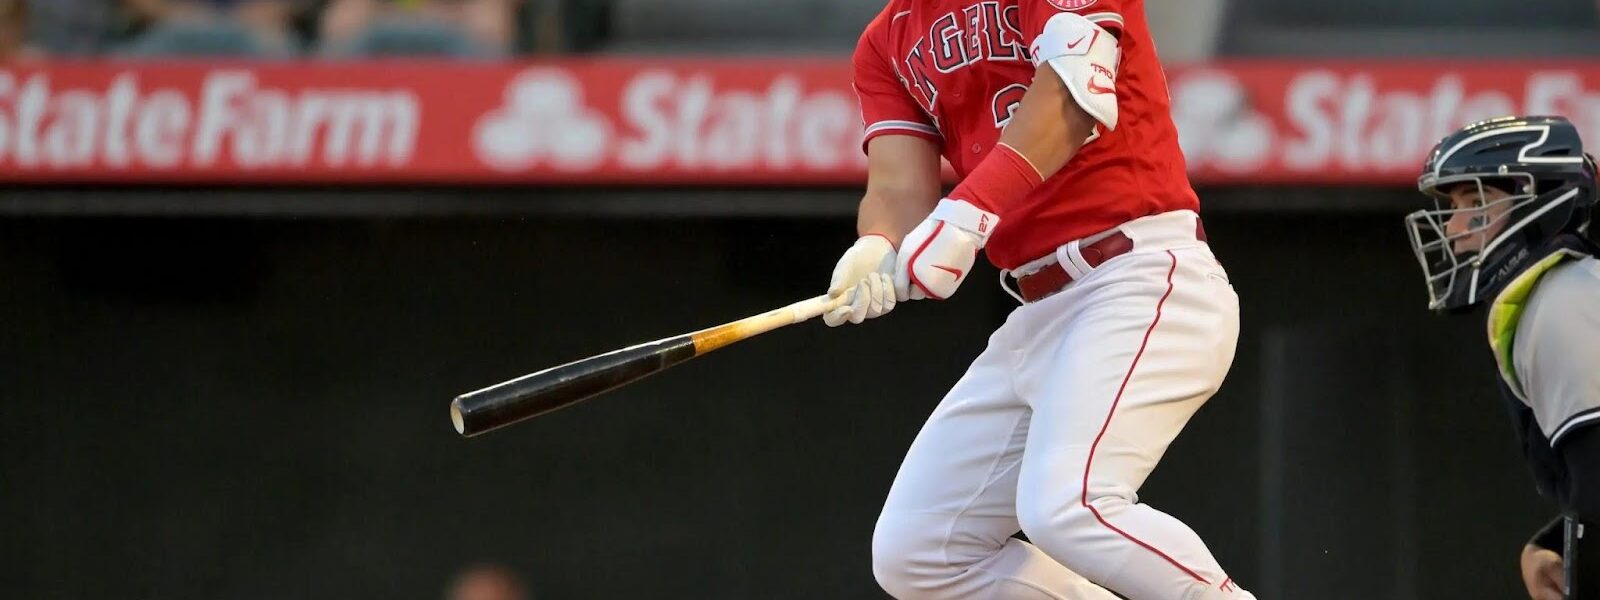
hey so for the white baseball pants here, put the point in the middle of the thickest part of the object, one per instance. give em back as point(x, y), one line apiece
point(1054, 428)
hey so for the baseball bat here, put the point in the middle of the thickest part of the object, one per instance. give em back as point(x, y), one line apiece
point(526, 397)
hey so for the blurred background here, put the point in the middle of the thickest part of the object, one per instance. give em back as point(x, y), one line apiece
point(250, 249)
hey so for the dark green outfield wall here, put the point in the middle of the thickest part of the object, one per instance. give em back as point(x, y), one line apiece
point(256, 409)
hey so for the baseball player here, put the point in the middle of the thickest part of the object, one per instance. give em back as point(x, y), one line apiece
point(1513, 198)
point(1055, 114)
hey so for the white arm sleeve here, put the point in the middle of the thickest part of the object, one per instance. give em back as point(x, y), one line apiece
point(1085, 56)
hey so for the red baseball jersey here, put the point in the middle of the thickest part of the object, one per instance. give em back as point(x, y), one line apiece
point(953, 71)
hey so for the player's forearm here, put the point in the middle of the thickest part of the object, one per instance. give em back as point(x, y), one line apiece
point(902, 186)
point(894, 212)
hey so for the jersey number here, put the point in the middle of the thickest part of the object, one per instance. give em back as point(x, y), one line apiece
point(1006, 102)
point(1009, 98)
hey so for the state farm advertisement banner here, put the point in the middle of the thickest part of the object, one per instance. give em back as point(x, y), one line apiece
point(690, 120)
point(603, 122)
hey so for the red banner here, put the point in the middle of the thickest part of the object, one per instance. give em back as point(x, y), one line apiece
point(1352, 123)
point(690, 120)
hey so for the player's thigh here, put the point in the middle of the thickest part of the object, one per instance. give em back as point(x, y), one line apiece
point(1130, 366)
point(963, 463)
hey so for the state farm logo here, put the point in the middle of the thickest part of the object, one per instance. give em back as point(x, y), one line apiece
point(1363, 121)
point(687, 120)
point(227, 118)
point(1217, 126)
point(543, 119)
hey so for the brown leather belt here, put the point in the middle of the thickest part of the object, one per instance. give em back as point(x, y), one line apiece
point(1052, 278)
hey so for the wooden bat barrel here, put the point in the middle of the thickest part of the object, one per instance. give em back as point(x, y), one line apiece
point(529, 396)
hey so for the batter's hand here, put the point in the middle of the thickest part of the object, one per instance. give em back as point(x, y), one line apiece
point(938, 254)
point(1542, 573)
point(865, 275)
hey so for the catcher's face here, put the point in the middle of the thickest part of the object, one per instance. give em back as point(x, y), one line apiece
point(1478, 215)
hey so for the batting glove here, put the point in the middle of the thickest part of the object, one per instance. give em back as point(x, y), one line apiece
point(865, 275)
point(939, 253)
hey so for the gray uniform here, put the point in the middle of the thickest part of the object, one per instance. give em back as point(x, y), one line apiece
point(1556, 354)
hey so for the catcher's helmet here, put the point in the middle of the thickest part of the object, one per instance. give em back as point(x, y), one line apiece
point(1540, 162)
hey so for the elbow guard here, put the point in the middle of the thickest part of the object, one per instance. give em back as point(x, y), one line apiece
point(1085, 56)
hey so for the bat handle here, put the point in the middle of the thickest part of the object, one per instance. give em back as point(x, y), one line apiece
point(707, 340)
point(811, 308)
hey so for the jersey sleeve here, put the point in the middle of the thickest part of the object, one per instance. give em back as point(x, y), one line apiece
point(886, 105)
point(1557, 347)
point(1035, 13)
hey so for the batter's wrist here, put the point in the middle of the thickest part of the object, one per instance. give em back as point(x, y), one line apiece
point(893, 242)
point(1000, 182)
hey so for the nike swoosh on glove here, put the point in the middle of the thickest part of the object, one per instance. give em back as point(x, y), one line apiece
point(938, 255)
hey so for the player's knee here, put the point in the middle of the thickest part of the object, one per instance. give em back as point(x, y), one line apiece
point(1062, 526)
point(912, 557)
point(898, 544)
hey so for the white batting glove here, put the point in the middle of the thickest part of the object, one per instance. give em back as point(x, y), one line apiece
point(939, 253)
point(865, 275)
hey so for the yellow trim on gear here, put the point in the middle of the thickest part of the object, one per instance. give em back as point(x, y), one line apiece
point(1506, 312)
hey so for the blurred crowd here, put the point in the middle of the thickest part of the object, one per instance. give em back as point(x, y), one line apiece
point(1186, 31)
point(266, 29)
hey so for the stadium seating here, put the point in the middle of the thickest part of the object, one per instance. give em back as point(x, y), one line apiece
point(396, 38)
point(202, 38)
